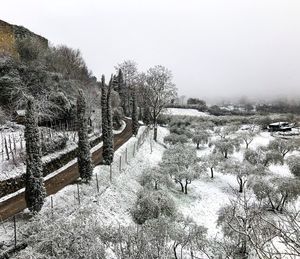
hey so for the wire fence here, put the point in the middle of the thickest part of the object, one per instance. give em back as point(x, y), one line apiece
point(125, 154)
point(9, 227)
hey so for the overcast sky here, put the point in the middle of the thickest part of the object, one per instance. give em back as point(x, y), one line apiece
point(215, 49)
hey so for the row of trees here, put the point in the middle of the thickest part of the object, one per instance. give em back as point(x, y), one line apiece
point(147, 93)
point(247, 225)
point(159, 91)
point(35, 192)
point(228, 141)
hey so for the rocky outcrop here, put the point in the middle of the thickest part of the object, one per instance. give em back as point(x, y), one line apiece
point(10, 34)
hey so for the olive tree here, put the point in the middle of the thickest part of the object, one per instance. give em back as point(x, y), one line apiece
point(248, 135)
point(242, 171)
point(200, 137)
point(283, 146)
point(226, 131)
point(226, 146)
point(294, 165)
point(181, 162)
point(155, 177)
point(212, 161)
point(276, 193)
point(262, 156)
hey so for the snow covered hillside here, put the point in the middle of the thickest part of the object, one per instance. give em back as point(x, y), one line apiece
point(185, 112)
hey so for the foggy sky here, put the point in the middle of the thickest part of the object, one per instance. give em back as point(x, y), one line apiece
point(216, 49)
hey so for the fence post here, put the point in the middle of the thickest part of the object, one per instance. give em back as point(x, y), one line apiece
point(133, 149)
point(110, 173)
point(78, 194)
point(151, 144)
point(126, 154)
point(15, 231)
point(97, 182)
point(51, 202)
point(120, 163)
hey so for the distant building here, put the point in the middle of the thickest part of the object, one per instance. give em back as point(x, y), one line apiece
point(279, 126)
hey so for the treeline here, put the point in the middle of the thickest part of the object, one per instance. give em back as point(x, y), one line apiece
point(51, 76)
point(279, 107)
point(192, 103)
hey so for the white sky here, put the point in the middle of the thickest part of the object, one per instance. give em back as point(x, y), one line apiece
point(216, 49)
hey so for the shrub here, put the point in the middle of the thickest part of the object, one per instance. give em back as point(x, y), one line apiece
point(294, 165)
point(151, 205)
point(50, 145)
point(3, 117)
point(175, 139)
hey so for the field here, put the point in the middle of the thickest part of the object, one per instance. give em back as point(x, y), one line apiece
point(111, 205)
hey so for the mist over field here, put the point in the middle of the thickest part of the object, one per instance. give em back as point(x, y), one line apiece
point(215, 49)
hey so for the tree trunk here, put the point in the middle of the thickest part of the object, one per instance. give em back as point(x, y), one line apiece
point(198, 145)
point(240, 181)
point(185, 187)
point(175, 253)
point(182, 187)
point(211, 172)
point(155, 132)
point(155, 185)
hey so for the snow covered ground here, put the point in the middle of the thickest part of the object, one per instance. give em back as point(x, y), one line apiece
point(185, 112)
point(112, 204)
point(206, 196)
point(11, 169)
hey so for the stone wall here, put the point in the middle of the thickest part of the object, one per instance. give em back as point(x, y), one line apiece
point(7, 40)
point(14, 184)
point(10, 34)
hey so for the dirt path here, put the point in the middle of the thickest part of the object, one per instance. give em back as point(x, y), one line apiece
point(17, 203)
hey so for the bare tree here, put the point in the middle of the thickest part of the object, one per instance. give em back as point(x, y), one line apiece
point(249, 229)
point(160, 91)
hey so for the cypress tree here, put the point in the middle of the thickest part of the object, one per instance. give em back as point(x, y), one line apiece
point(110, 123)
point(35, 192)
point(107, 122)
point(104, 118)
point(134, 117)
point(122, 91)
point(84, 155)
